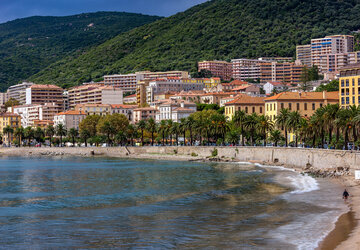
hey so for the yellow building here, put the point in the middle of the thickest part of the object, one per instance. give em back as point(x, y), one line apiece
point(248, 104)
point(208, 82)
point(94, 109)
point(306, 103)
point(349, 83)
point(12, 120)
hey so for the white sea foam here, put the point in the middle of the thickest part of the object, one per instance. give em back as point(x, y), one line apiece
point(303, 184)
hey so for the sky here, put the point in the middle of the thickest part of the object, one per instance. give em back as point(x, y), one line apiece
point(13, 9)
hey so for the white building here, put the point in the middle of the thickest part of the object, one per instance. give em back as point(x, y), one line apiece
point(18, 91)
point(4, 97)
point(174, 110)
point(278, 86)
point(70, 119)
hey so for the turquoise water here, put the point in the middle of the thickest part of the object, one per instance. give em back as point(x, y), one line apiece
point(115, 203)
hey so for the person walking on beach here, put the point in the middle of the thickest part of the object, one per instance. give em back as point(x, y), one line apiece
point(345, 195)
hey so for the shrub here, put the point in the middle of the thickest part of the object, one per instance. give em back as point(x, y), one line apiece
point(214, 153)
point(194, 154)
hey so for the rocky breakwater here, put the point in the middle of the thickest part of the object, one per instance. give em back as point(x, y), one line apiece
point(327, 172)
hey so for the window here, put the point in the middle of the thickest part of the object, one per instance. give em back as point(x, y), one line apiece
point(342, 83)
point(347, 82)
point(313, 106)
point(353, 100)
point(305, 106)
point(321, 105)
point(289, 106)
point(353, 81)
point(270, 107)
point(253, 109)
point(347, 100)
point(246, 110)
point(347, 91)
point(282, 105)
point(297, 106)
point(353, 91)
point(359, 81)
point(260, 110)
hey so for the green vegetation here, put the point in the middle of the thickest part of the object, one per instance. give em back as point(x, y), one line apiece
point(31, 44)
point(218, 29)
point(331, 86)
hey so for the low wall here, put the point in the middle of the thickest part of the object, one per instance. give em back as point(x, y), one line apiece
point(293, 157)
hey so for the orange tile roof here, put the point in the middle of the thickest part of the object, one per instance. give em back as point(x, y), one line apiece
point(235, 82)
point(220, 93)
point(72, 112)
point(245, 99)
point(122, 106)
point(8, 115)
point(241, 87)
point(44, 86)
point(130, 96)
point(304, 96)
point(92, 105)
point(183, 109)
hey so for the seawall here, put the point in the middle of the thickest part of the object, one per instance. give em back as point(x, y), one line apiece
point(320, 159)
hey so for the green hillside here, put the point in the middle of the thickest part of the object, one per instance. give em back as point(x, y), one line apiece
point(218, 29)
point(30, 44)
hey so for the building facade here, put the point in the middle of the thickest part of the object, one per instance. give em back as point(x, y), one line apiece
point(12, 120)
point(303, 54)
point(41, 94)
point(126, 110)
point(166, 109)
point(349, 85)
point(94, 109)
point(69, 119)
point(220, 69)
point(144, 114)
point(18, 91)
point(248, 104)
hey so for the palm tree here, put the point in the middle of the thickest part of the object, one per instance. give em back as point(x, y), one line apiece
point(175, 130)
point(344, 122)
point(281, 122)
point(183, 128)
point(162, 130)
point(60, 131)
point(251, 124)
point(73, 133)
point(120, 137)
point(19, 133)
point(131, 132)
point(107, 129)
point(331, 111)
point(169, 125)
point(239, 120)
point(28, 134)
point(8, 130)
point(38, 134)
point(151, 127)
point(142, 126)
point(233, 137)
point(318, 119)
point(50, 131)
point(293, 123)
point(190, 124)
point(354, 111)
point(276, 136)
point(85, 134)
point(264, 126)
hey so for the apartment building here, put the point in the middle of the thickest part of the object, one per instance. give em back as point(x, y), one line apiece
point(12, 120)
point(231, 85)
point(333, 62)
point(144, 114)
point(94, 94)
point(130, 99)
point(36, 112)
point(69, 119)
point(174, 110)
point(248, 104)
point(94, 109)
point(4, 97)
point(215, 97)
point(170, 84)
point(190, 96)
point(128, 82)
point(41, 94)
point(220, 69)
point(303, 54)
point(244, 69)
point(18, 91)
point(270, 87)
point(126, 110)
point(349, 89)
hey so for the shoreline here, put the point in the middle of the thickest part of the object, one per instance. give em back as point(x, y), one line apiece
point(345, 235)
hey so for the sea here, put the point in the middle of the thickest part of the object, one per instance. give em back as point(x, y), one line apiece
point(48, 203)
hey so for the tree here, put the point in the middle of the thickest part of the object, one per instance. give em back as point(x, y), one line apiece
point(89, 124)
point(50, 131)
point(239, 121)
point(73, 133)
point(293, 122)
point(142, 126)
point(8, 130)
point(110, 125)
point(11, 103)
point(264, 126)
point(331, 111)
point(60, 131)
point(28, 134)
point(281, 122)
point(169, 124)
point(151, 127)
point(183, 128)
point(162, 130)
point(38, 134)
point(131, 133)
point(19, 133)
point(251, 125)
point(105, 127)
point(331, 86)
point(276, 136)
point(190, 122)
point(85, 135)
point(120, 138)
point(175, 130)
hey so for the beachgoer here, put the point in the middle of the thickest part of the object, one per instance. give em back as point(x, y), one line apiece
point(345, 195)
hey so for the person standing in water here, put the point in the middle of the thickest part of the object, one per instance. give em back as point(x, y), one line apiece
point(346, 194)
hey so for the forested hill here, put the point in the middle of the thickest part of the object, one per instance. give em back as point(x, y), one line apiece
point(218, 29)
point(30, 44)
